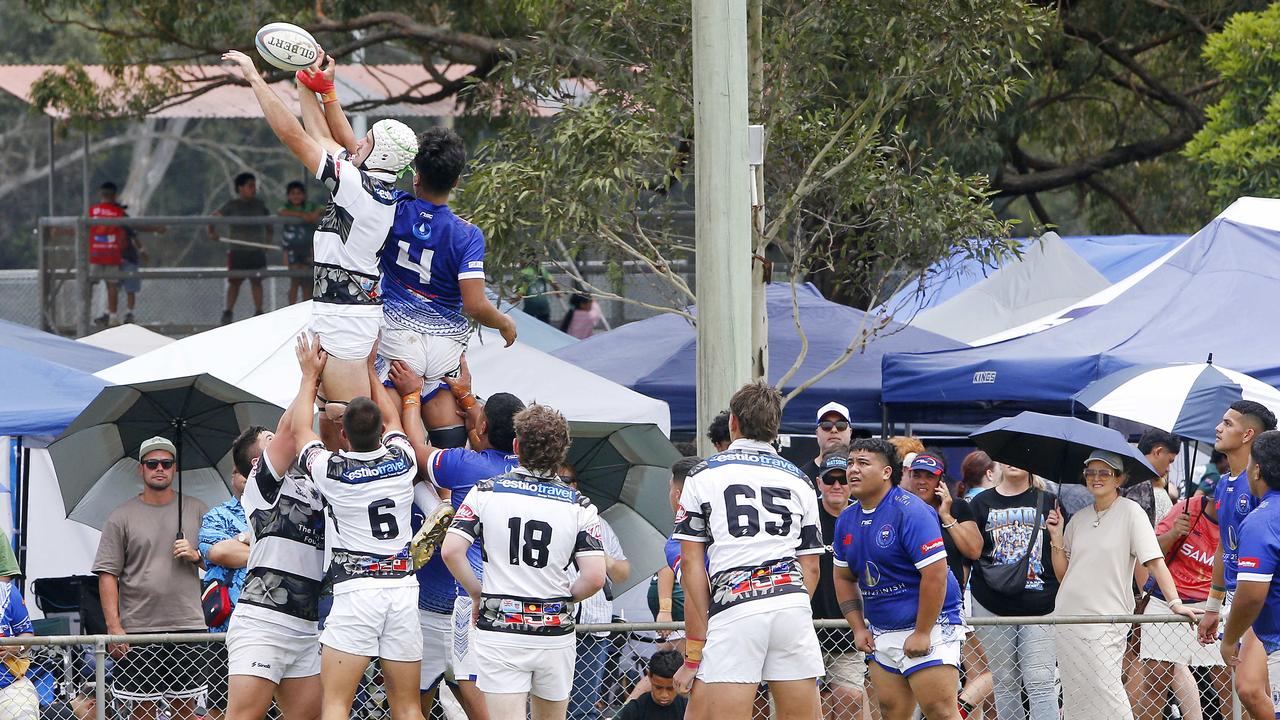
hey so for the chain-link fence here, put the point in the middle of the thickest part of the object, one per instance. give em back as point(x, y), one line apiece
point(1013, 669)
point(176, 278)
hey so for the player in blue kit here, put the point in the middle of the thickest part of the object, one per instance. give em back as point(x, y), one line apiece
point(433, 281)
point(1233, 502)
point(895, 589)
point(444, 607)
point(1257, 594)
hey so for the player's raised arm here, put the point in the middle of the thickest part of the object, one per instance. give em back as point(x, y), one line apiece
point(408, 386)
point(382, 396)
point(329, 121)
point(282, 122)
point(311, 358)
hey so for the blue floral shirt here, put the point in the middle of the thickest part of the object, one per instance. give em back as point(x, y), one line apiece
point(223, 522)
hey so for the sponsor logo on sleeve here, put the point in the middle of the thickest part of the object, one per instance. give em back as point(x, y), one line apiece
point(847, 539)
point(594, 531)
point(681, 514)
point(930, 546)
point(465, 513)
point(1248, 563)
point(476, 264)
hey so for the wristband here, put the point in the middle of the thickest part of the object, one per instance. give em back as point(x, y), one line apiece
point(692, 665)
point(948, 527)
point(664, 605)
point(1222, 591)
point(330, 96)
point(693, 651)
point(1219, 594)
point(1213, 605)
point(410, 400)
point(466, 400)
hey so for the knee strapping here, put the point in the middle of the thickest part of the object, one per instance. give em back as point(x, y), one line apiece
point(450, 437)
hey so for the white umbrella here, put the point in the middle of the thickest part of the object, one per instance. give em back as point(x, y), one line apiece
point(1186, 399)
point(257, 356)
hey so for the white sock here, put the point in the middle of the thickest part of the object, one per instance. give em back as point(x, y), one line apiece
point(425, 497)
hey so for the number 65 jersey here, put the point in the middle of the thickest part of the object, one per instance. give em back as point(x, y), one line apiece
point(757, 513)
point(530, 529)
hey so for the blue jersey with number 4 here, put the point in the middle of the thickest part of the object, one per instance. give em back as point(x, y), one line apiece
point(1259, 561)
point(427, 253)
point(885, 549)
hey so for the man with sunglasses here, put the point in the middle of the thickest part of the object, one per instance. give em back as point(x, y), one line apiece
point(832, 429)
point(844, 687)
point(150, 583)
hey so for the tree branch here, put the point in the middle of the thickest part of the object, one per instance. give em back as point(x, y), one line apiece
point(1124, 207)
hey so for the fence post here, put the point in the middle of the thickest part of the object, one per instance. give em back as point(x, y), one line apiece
point(100, 678)
point(84, 288)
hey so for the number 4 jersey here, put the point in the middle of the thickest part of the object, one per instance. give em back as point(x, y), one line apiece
point(427, 253)
point(757, 512)
point(369, 498)
point(530, 530)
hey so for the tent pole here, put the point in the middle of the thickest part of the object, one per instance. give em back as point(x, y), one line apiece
point(884, 421)
point(51, 167)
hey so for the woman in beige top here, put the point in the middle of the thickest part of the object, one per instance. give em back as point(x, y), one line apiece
point(1095, 556)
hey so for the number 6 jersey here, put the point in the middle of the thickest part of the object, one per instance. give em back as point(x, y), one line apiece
point(530, 529)
point(757, 512)
point(369, 498)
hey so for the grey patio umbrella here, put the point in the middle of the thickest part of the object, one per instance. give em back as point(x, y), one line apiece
point(624, 468)
point(96, 456)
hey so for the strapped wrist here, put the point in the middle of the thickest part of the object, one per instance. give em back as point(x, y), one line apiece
point(664, 605)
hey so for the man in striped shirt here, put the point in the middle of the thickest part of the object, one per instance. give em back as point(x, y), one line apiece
point(273, 644)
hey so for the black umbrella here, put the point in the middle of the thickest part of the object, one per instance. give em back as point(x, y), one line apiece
point(96, 456)
point(1055, 447)
point(624, 468)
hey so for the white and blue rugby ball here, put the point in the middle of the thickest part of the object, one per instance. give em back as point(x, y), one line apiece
point(286, 46)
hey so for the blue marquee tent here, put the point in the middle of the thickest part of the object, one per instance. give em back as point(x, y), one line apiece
point(657, 357)
point(45, 379)
point(1212, 296)
point(1115, 257)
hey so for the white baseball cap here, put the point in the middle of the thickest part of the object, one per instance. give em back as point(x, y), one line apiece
point(833, 407)
point(156, 443)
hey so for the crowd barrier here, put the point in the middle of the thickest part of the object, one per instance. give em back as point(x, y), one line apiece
point(1006, 675)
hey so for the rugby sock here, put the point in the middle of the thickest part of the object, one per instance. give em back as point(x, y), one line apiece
point(425, 497)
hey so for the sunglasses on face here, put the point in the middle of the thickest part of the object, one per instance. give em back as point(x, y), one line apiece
point(829, 425)
point(153, 464)
point(1103, 474)
point(835, 479)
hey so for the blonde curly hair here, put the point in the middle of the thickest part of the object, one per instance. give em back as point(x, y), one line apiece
point(542, 438)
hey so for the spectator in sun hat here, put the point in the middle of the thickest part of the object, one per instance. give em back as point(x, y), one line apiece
point(832, 428)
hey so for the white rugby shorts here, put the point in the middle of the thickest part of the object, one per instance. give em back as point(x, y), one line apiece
point(430, 356)
point(437, 635)
point(375, 622)
point(346, 332)
point(777, 645)
point(512, 664)
point(264, 649)
point(462, 655)
point(1273, 672)
point(945, 644)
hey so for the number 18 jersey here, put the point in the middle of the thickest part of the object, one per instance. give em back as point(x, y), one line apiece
point(757, 512)
point(530, 530)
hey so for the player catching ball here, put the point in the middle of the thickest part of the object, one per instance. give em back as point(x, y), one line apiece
point(347, 309)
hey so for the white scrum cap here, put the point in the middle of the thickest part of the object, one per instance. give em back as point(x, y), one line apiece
point(394, 147)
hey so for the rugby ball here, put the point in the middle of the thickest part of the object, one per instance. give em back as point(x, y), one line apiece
point(286, 46)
